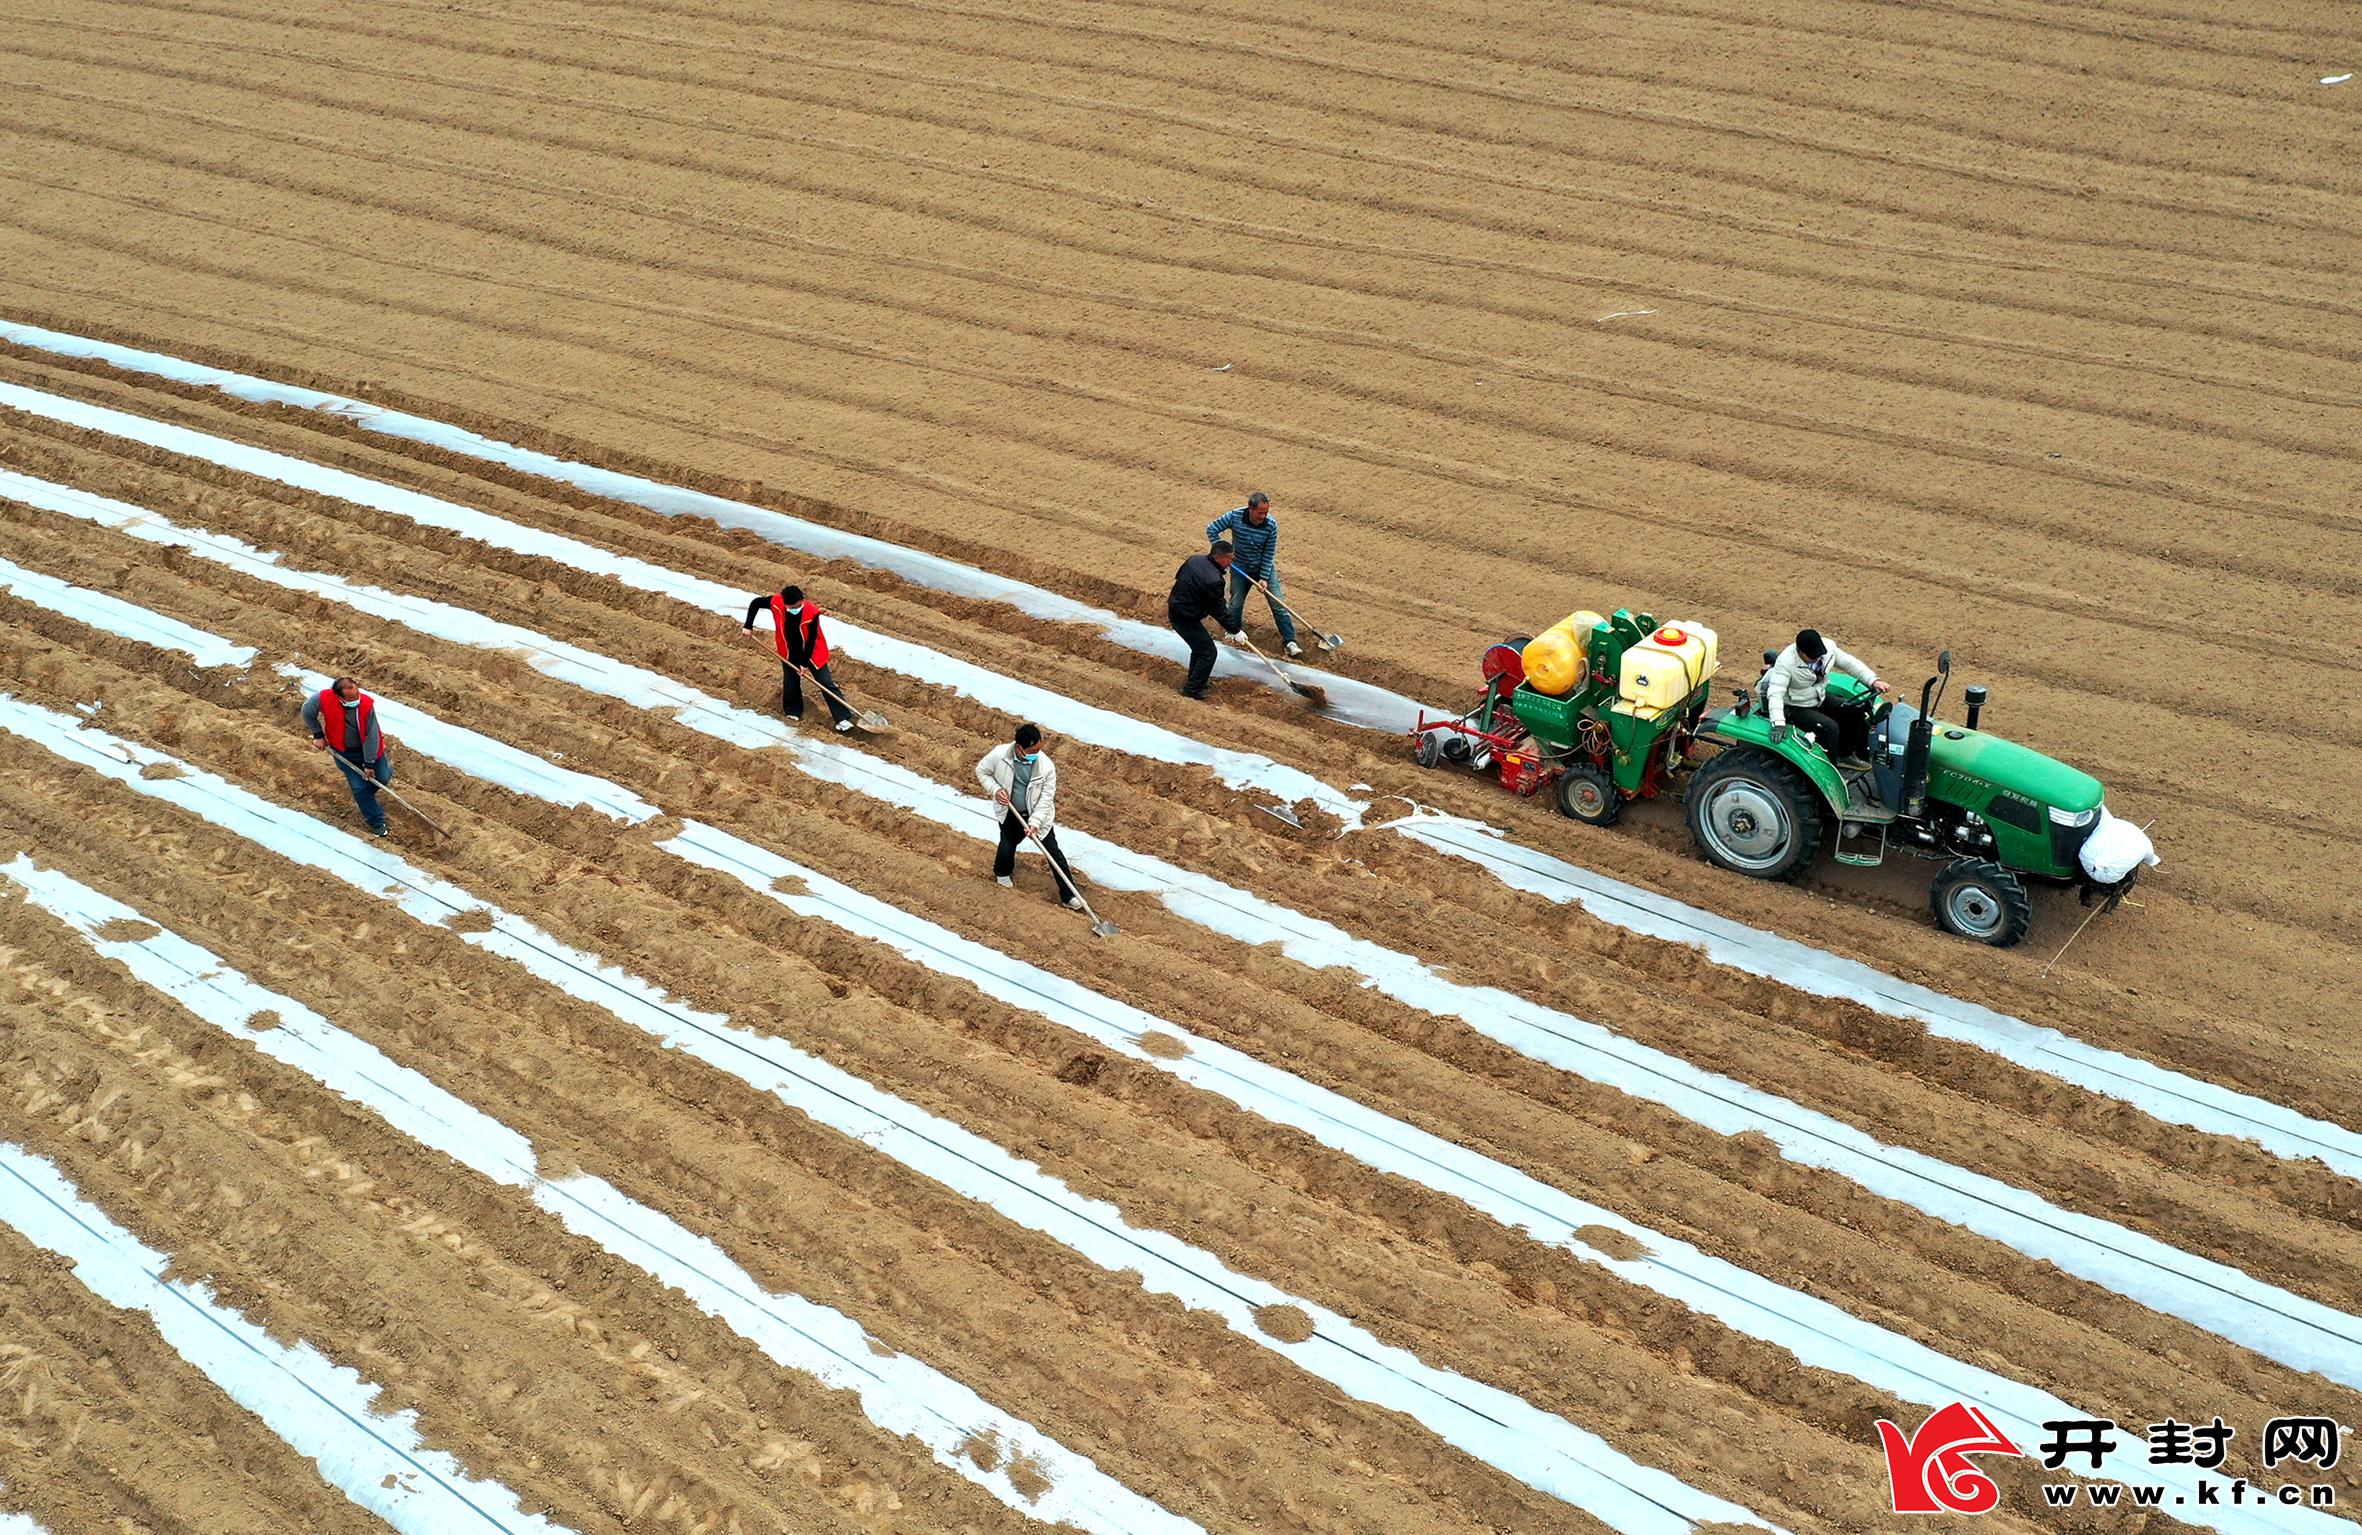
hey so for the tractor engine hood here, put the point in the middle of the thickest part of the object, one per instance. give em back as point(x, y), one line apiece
point(2007, 765)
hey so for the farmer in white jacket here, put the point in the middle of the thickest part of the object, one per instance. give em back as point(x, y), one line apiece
point(1796, 692)
point(1023, 783)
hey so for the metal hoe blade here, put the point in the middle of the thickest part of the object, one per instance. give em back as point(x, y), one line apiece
point(1311, 690)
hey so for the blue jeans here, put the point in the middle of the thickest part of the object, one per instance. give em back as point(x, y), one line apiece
point(365, 792)
point(1234, 617)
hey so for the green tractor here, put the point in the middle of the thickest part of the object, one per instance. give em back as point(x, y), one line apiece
point(1998, 814)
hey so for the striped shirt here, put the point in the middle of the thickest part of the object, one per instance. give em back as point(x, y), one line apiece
point(1258, 548)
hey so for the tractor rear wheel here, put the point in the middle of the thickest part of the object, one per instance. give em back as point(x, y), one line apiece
point(1977, 898)
point(1589, 795)
point(1753, 814)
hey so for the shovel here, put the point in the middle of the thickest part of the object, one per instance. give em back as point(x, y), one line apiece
point(385, 789)
point(1100, 926)
point(1311, 690)
point(1284, 814)
point(869, 720)
point(1326, 641)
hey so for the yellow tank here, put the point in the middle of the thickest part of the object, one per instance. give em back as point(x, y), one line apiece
point(1580, 623)
point(1667, 667)
point(1553, 661)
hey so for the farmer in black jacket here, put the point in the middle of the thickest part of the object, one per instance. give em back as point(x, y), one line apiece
point(1198, 594)
point(803, 649)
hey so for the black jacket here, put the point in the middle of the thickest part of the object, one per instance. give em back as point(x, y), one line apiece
point(1198, 590)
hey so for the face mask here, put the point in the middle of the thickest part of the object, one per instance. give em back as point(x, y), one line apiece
point(1031, 757)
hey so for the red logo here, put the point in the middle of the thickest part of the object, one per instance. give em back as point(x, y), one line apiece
point(1931, 1472)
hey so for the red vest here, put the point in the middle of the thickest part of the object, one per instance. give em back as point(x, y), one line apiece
point(811, 621)
point(332, 718)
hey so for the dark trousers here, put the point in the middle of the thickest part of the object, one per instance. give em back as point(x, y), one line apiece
point(1004, 858)
point(365, 792)
point(1843, 729)
point(791, 693)
point(1201, 652)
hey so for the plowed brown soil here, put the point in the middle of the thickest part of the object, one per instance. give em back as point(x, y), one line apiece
point(1980, 326)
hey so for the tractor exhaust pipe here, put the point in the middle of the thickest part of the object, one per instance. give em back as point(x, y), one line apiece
point(1922, 741)
point(1936, 685)
point(1915, 756)
point(1976, 704)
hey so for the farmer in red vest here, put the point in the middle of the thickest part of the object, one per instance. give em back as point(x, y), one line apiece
point(343, 722)
point(803, 650)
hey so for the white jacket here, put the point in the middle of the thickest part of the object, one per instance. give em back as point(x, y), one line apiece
point(997, 771)
point(2115, 848)
point(1793, 683)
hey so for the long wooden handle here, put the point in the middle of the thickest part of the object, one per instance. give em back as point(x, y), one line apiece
point(385, 789)
point(1063, 878)
point(1277, 602)
point(825, 688)
point(1258, 654)
point(1281, 603)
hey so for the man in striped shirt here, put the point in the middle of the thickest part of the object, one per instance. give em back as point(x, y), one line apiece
point(1254, 533)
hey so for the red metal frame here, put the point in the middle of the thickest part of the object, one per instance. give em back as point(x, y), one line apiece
point(1509, 749)
point(1502, 741)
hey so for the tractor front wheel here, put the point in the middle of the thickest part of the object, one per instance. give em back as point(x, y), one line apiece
point(1589, 795)
point(1977, 898)
point(1753, 814)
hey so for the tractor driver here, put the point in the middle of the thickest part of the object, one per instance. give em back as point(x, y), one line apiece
point(1796, 692)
